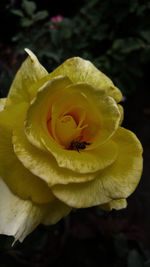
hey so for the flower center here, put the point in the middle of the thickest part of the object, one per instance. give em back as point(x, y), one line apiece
point(72, 122)
point(66, 129)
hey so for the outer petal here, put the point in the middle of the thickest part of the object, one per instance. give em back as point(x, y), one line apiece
point(30, 72)
point(115, 182)
point(115, 204)
point(55, 211)
point(121, 113)
point(8, 119)
point(2, 103)
point(80, 70)
point(17, 217)
point(19, 179)
point(126, 172)
point(20, 217)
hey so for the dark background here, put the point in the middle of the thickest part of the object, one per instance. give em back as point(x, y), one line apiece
point(115, 36)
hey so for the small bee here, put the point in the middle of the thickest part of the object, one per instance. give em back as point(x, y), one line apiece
point(77, 144)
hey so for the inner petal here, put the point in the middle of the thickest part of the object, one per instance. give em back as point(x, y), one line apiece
point(66, 129)
point(68, 118)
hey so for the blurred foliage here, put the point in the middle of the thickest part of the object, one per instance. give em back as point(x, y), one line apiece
point(113, 34)
point(28, 13)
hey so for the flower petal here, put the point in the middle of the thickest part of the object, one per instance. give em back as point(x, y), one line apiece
point(121, 113)
point(103, 110)
point(116, 204)
point(44, 165)
point(30, 72)
point(20, 217)
point(55, 211)
point(87, 160)
point(82, 195)
point(80, 70)
point(8, 119)
point(38, 111)
point(115, 182)
point(19, 179)
point(2, 103)
point(125, 173)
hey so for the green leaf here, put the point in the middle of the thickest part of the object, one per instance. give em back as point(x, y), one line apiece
point(118, 56)
point(55, 37)
point(88, 6)
point(29, 7)
point(17, 37)
point(127, 45)
point(52, 55)
point(133, 6)
point(132, 44)
point(17, 12)
point(117, 44)
point(65, 28)
point(145, 35)
point(145, 55)
point(40, 15)
point(134, 259)
point(25, 22)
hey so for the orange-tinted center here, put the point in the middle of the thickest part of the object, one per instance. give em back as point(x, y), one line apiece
point(68, 127)
point(70, 122)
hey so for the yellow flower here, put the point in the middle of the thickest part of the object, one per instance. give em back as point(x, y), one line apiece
point(61, 145)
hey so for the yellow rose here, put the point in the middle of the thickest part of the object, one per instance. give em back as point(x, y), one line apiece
point(61, 146)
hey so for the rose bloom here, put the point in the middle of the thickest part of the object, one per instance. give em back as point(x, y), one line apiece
point(62, 146)
point(56, 19)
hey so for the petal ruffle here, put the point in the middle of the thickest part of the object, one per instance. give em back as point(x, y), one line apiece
point(29, 73)
point(115, 182)
point(80, 70)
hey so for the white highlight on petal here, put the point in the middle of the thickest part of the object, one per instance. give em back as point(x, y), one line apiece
point(2, 103)
point(17, 217)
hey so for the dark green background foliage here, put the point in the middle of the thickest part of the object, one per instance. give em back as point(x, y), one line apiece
point(115, 36)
